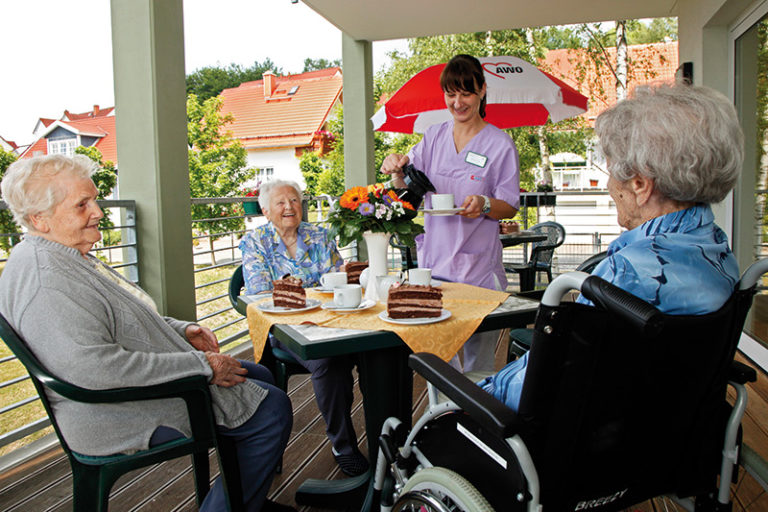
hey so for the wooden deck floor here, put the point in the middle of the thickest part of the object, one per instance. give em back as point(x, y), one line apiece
point(44, 483)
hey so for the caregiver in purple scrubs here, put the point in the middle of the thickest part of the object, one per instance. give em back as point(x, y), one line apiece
point(478, 164)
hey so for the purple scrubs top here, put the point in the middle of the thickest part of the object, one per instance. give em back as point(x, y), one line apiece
point(457, 248)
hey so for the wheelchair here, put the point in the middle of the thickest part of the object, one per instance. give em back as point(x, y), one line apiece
point(620, 404)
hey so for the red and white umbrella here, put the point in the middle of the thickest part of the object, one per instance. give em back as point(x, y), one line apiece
point(518, 94)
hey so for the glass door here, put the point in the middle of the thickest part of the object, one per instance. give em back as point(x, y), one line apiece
point(751, 99)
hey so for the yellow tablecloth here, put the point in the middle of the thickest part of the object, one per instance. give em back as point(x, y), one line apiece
point(468, 306)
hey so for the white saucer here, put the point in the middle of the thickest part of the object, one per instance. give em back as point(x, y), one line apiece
point(269, 307)
point(322, 290)
point(445, 211)
point(366, 304)
point(444, 315)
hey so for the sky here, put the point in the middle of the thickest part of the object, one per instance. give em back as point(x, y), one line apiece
point(57, 54)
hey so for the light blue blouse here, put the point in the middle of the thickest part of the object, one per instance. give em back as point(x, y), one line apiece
point(265, 257)
point(679, 262)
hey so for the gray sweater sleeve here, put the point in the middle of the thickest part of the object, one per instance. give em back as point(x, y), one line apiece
point(94, 360)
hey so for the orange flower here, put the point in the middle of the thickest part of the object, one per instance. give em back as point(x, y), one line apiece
point(352, 198)
point(407, 205)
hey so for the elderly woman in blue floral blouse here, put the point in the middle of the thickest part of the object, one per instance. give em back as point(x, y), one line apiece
point(286, 245)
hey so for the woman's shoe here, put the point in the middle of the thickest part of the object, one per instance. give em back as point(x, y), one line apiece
point(353, 464)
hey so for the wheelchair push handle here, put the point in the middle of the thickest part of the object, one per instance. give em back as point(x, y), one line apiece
point(607, 296)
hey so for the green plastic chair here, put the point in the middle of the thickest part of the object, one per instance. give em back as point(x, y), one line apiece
point(281, 363)
point(93, 477)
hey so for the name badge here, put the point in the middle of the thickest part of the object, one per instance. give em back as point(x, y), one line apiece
point(476, 159)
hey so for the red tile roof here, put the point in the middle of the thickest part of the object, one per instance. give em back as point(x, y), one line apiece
point(282, 119)
point(647, 63)
point(101, 126)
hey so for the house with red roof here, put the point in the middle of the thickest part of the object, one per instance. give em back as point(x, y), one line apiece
point(278, 118)
point(93, 128)
point(8, 145)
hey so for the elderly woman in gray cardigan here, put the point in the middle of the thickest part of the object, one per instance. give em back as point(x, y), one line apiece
point(91, 327)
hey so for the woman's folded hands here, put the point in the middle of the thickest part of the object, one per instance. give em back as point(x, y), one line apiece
point(227, 371)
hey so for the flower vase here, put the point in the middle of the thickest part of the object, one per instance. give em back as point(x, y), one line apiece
point(377, 245)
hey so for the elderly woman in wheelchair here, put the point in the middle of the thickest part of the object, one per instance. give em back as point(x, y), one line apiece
point(622, 395)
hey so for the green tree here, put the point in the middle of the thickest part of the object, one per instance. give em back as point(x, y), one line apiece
point(656, 30)
point(209, 81)
point(217, 167)
point(311, 166)
point(7, 224)
point(315, 64)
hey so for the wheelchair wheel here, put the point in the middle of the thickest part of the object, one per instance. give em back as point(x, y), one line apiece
point(440, 490)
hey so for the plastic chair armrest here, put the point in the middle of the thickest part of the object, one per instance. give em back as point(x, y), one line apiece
point(741, 373)
point(482, 407)
point(171, 389)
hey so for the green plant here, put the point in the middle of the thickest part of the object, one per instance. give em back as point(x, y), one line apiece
point(373, 208)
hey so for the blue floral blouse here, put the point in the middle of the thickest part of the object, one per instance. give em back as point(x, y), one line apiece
point(266, 258)
point(666, 261)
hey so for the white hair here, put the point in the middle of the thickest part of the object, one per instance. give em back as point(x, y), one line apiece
point(265, 191)
point(686, 138)
point(28, 186)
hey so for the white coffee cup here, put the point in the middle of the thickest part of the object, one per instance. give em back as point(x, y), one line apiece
point(442, 202)
point(422, 276)
point(347, 295)
point(333, 279)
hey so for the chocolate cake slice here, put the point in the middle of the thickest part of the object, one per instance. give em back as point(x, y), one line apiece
point(353, 270)
point(288, 293)
point(414, 301)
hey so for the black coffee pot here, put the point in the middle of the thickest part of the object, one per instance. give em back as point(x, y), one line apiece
point(416, 186)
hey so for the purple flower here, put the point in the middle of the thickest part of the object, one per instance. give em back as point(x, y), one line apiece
point(387, 200)
point(365, 209)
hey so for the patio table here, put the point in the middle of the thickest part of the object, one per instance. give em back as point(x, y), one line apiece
point(521, 237)
point(385, 380)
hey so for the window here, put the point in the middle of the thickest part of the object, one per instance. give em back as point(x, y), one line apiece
point(62, 146)
point(265, 174)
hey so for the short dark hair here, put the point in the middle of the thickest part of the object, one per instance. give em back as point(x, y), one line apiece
point(464, 73)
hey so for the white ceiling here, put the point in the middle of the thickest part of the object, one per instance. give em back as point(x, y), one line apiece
point(376, 20)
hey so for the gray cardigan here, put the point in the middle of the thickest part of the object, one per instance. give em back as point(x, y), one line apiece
point(88, 331)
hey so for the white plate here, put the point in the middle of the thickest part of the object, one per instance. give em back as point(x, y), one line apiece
point(321, 289)
point(444, 315)
point(269, 307)
point(366, 304)
point(446, 211)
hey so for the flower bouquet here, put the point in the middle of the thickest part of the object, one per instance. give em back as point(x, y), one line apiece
point(373, 208)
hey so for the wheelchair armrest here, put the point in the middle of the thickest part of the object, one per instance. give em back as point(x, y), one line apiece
point(484, 408)
point(741, 373)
